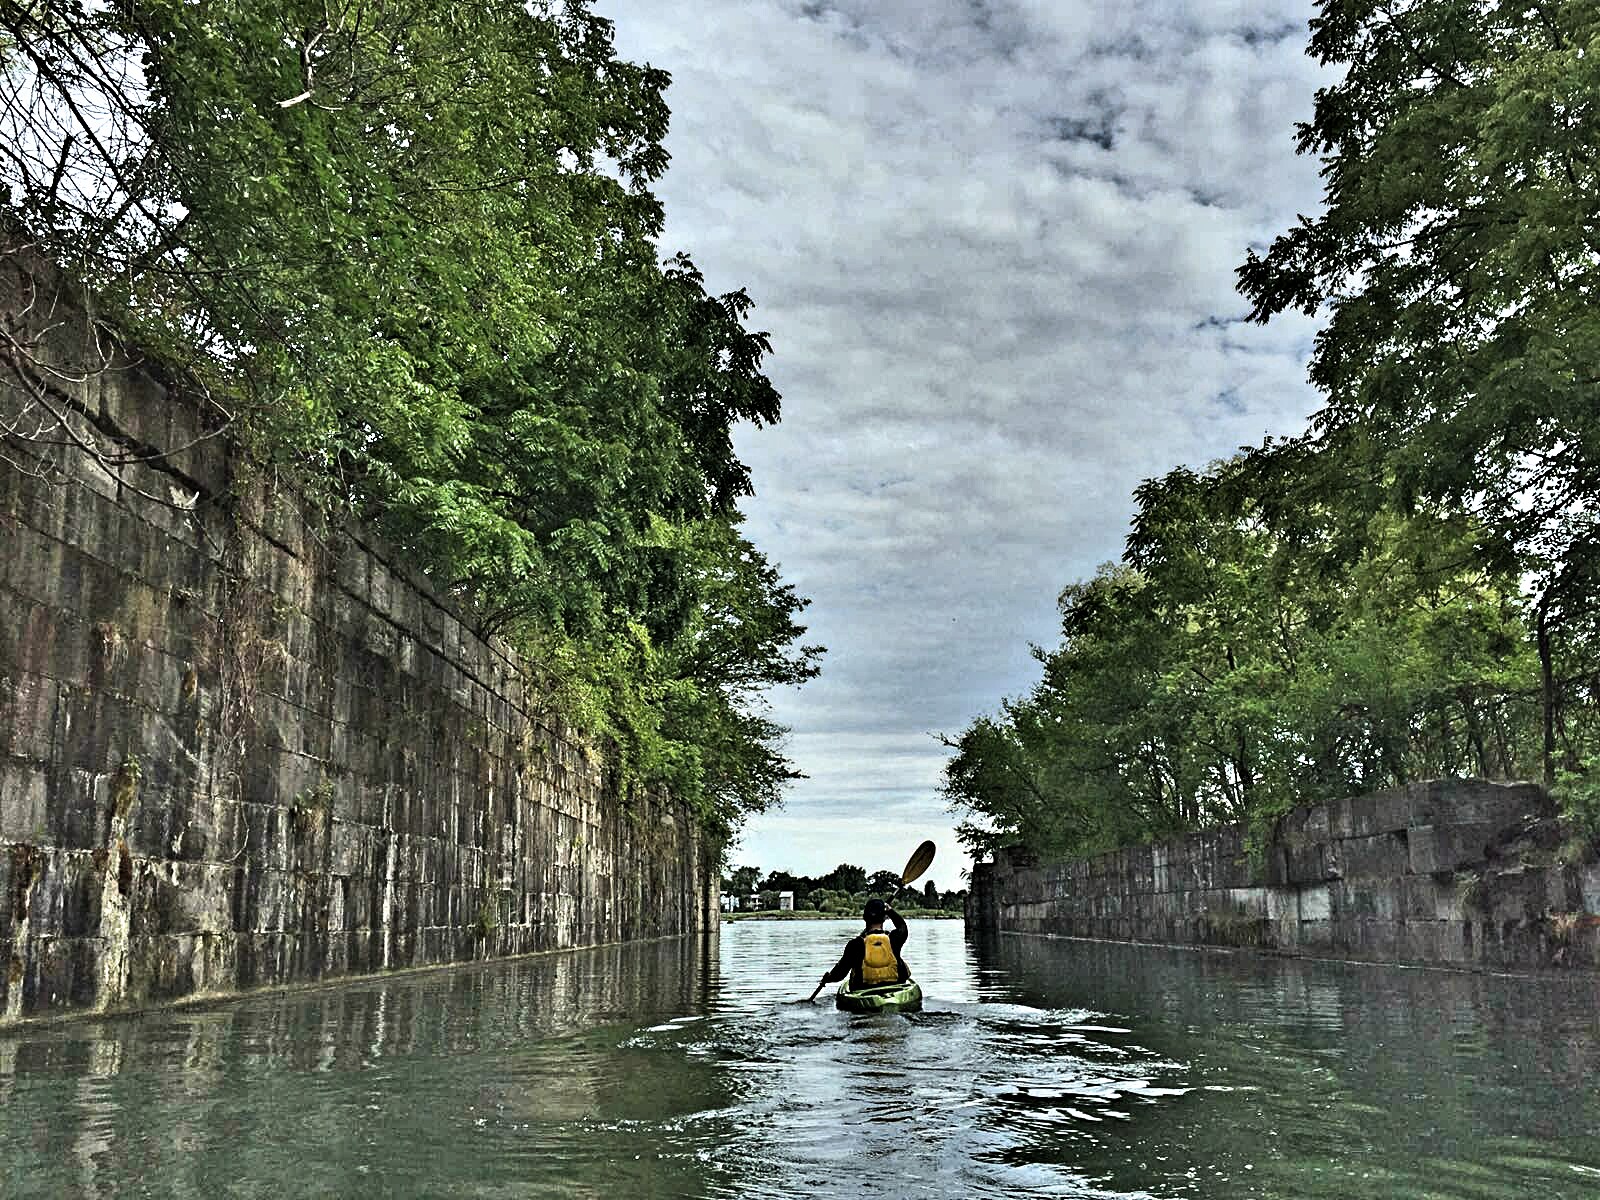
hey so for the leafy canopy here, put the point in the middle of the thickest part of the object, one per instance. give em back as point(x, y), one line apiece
point(414, 243)
point(1458, 261)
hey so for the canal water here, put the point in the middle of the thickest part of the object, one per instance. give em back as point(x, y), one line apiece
point(1039, 1068)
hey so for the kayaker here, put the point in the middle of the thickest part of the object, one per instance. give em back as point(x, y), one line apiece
point(872, 957)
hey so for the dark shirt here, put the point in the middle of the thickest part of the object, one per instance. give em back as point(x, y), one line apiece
point(856, 949)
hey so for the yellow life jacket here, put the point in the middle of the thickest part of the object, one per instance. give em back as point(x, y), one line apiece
point(878, 963)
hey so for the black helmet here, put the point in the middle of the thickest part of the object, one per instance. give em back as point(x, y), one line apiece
point(874, 912)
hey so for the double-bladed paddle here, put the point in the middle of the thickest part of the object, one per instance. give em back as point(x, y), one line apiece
point(921, 859)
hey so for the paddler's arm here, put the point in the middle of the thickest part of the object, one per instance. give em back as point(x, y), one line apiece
point(901, 931)
point(848, 961)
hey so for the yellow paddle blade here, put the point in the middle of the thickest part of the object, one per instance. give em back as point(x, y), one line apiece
point(920, 862)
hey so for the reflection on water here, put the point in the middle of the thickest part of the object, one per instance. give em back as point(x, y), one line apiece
point(492, 1081)
point(685, 1068)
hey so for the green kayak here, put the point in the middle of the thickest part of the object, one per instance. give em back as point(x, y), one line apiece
point(887, 997)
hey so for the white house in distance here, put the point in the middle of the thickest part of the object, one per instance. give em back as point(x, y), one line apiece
point(785, 901)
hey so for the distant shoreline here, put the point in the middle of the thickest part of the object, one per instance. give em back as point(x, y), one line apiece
point(911, 914)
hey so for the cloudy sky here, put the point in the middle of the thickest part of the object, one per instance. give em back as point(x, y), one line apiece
point(994, 242)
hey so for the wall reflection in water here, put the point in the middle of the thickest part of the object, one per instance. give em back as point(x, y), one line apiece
point(1342, 1079)
point(512, 1077)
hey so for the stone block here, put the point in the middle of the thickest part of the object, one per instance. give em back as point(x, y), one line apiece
point(1434, 849)
point(1391, 811)
point(1282, 903)
point(1276, 865)
point(150, 822)
point(1376, 940)
point(1513, 896)
point(27, 713)
point(1234, 869)
point(58, 974)
point(349, 848)
point(1316, 903)
point(1341, 823)
point(1470, 802)
point(83, 879)
point(1370, 900)
point(1364, 817)
point(1292, 823)
point(1379, 856)
point(1309, 862)
point(1425, 898)
point(96, 731)
point(24, 803)
point(1563, 889)
point(272, 902)
point(1317, 936)
point(1589, 875)
point(1419, 942)
point(203, 892)
point(212, 831)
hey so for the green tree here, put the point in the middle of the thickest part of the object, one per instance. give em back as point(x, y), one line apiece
point(1238, 662)
point(741, 881)
point(783, 881)
point(1456, 260)
point(845, 878)
point(414, 247)
point(881, 883)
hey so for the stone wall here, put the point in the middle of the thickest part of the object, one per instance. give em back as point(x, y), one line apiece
point(241, 746)
point(1450, 872)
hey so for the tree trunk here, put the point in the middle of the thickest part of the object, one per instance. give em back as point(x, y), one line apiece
point(1547, 695)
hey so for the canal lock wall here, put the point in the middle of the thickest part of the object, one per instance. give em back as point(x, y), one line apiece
point(1458, 873)
point(243, 746)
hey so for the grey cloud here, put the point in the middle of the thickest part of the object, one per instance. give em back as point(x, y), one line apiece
point(994, 244)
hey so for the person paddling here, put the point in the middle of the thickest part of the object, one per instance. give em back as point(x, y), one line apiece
point(872, 957)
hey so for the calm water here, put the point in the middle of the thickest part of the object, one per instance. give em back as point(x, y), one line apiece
point(677, 1069)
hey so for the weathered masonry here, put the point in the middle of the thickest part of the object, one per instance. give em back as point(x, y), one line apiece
point(1461, 873)
point(241, 747)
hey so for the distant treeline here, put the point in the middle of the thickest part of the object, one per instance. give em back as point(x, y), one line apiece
point(1411, 589)
point(843, 890)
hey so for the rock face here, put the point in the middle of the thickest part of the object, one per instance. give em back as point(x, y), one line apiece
point(241, 746)
point(1459, 872)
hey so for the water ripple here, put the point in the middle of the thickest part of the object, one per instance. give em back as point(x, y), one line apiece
point(686, 1070)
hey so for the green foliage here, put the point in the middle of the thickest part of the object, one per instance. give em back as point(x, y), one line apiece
point(835, 902)
point(881, 883)
point(1578, 793)
point(415, 244)
point(1456, 262)
point(851, 880)
point(1232, 666)
point(125, 787)
point(488, 918)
